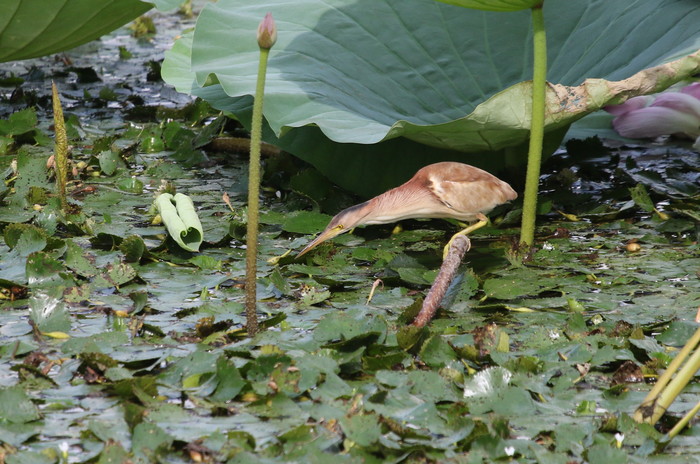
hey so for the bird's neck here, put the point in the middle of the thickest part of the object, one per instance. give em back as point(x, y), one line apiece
point(395, 205)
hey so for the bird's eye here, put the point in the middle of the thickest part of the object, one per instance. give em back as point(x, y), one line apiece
point(339, 227)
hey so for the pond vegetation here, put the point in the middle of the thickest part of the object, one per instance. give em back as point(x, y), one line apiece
point(117, 344)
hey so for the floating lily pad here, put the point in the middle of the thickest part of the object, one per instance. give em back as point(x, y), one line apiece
point(16, 406)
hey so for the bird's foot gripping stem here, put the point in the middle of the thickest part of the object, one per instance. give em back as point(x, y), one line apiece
point(483, 220)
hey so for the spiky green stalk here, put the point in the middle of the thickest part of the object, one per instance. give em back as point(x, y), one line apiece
point(534, 158)
point(253, 199)
point(61, 149)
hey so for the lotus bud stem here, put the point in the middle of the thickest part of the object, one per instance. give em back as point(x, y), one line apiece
point(267, 35)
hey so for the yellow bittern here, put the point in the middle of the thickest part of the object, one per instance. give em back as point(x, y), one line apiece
point(440, 190)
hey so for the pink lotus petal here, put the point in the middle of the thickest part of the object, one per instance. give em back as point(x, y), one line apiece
point(633, 104)
point(679, 102)
point(654, 121)
point(692, 89)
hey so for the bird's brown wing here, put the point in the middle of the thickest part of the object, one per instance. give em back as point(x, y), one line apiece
point(467, 190)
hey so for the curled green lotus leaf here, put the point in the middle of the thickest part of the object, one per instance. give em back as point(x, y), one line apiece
point(181, 220)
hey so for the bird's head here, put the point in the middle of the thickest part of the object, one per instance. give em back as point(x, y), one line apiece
point(341, 223)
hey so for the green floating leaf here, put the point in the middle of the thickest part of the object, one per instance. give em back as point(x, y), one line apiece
point(32, 173)
point(520, 282)
point(25, 238)
point(487, 382)
point(410, 336)
point(37, 195)
point(16, 406)
point(44, 271)
point(648, 344)
point(600, 454)
point(99, 362)
point(341, 326)
point(133, 248)
point(641, 197)
point(230, 381)
point(130, 184)
point(306, 222)
point(414, 275)
point(16, 434)
point(19, 123)
point(362, 429)
point(205, 262)
point(280, 282)
point(140, 300)
point(115, 275)
point(152, 143)
point(5, 145)
point(148, 438)
point(181, 220)
point(436, 352)
point(314, 296)
point(105, 241)
point(77, 260)
point(109, 160)
point(677, 333)
point(48, 311)
point(586, 408)
point(113, 452)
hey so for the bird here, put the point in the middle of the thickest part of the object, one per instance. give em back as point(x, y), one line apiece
point(440, 190)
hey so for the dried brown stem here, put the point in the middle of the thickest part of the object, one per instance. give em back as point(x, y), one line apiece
point(240, 145)
point(460, 246)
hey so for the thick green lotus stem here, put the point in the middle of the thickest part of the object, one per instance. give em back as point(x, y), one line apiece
point(253, 199)
point(61, 150)
point(674, 388)
point(534, 157)
point(683, 422)
point(646, 409)
point(662, 395)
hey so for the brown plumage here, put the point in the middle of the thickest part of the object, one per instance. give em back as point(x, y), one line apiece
point(440, 190)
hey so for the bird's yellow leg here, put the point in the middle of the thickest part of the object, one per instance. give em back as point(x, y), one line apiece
point(482, 221)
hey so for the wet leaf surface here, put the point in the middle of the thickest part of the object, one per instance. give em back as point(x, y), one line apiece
point(122, 345)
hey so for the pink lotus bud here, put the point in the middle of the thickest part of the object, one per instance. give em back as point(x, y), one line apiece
point(267, 32)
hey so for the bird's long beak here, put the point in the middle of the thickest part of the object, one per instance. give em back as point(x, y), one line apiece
point(327, 234)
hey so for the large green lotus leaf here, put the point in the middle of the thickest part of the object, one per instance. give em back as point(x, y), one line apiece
point(31, 28)
point(369, 70)
point(364, 72)
point(360, 171)
point(494, 5)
